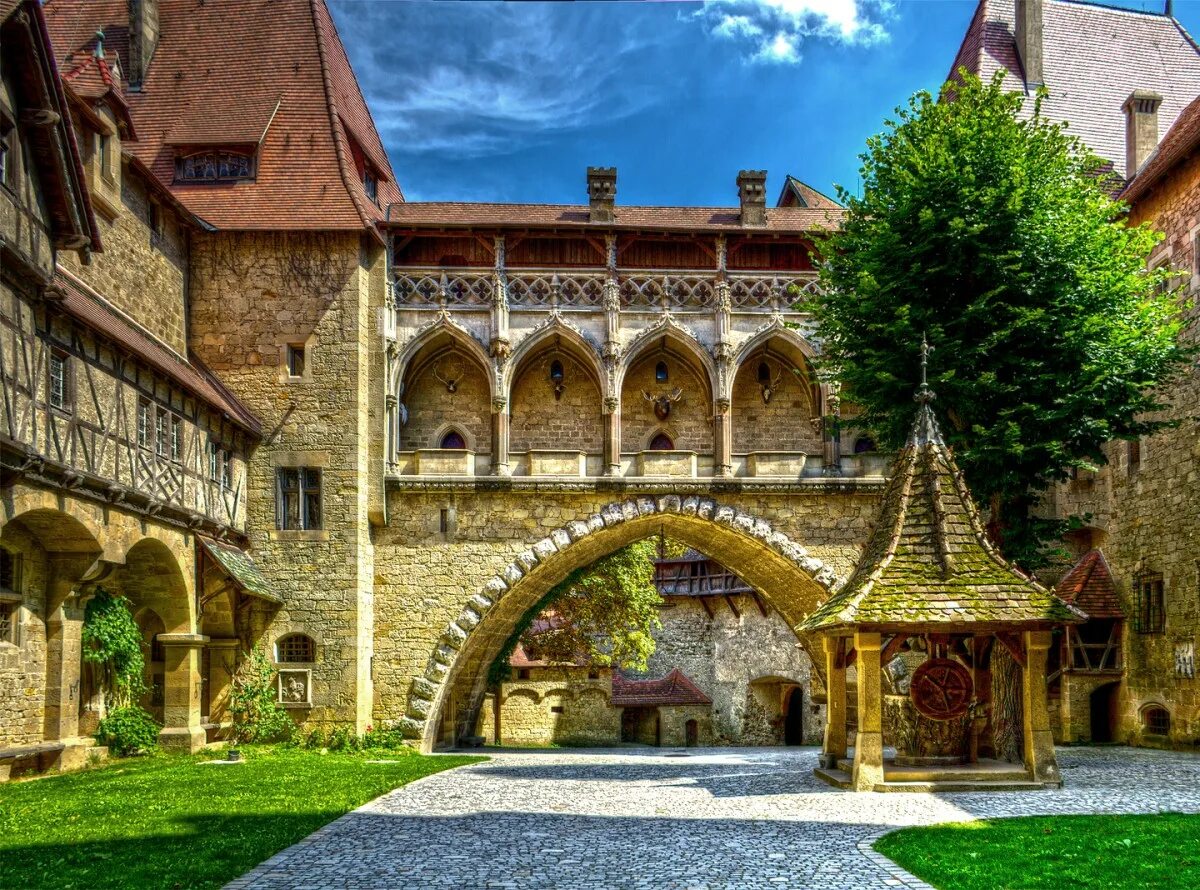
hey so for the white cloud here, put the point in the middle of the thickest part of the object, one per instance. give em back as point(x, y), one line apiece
point(774, 30)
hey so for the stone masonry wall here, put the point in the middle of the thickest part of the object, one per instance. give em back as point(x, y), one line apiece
point(23, 662)
point(689, 424)
point(572, 422)
point(142, 273)
point(252, 296)
point(788, 416)
point(432, 408)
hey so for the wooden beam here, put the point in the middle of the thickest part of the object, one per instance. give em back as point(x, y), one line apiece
point(892, 649)
point(1012, 642)
point(762, 607)
point(732, 607)
point(707, 607)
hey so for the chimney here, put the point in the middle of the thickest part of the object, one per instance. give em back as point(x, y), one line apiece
point(602, 193)
point(752, 194)
point(143, 39)
point(1141, 129)
point(1029, 40)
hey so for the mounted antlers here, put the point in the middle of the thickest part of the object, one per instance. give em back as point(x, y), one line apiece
point(771, 386)
point(453, 378)
point(662, 403)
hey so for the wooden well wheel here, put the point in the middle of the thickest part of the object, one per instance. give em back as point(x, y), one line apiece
point(941, 689)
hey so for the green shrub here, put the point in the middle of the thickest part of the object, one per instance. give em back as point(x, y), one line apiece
point(342, 739)
point(255, 712)
point(111, 641)
point(316, 739)
point(128, 731)
point(385, 740)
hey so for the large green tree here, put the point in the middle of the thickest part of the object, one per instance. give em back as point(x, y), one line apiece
point(605, 613)
point(992, 232)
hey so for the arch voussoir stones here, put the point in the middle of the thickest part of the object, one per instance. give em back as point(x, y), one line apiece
point(427, 692)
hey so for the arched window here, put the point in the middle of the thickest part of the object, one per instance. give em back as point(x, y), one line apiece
point(660, 372)
point(864, 445)
point(454, 439)
point(295, 648)
point(1156, 720)
point(662, 442)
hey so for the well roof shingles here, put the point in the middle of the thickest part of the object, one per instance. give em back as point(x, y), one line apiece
point(214, 65)
point(927, 562)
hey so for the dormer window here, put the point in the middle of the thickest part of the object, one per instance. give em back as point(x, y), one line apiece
point(371, 185)
point(214, 166)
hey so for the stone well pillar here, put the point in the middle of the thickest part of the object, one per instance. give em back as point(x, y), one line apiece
point(181, 692)
point(1039, 742)
point(835, 698)
point(868, 743)
point(500, 438)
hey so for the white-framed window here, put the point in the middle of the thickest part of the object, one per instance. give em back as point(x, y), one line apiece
point(145, 423)
point(162, 421)
point(60, 381)
point(299, 498)
point(176, 437)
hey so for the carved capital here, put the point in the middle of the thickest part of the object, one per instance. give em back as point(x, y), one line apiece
point(499, 405)
point(723, 352)
point(723, 406)
point(500, 349)
point(611, 405)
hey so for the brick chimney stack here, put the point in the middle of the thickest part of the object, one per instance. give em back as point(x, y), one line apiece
point(1141, 129)
point(602, 193)
point(752, 194)
point(143, 39)
point(1029, 40)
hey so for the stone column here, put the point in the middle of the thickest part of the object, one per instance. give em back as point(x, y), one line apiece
point(612, 437)
point(64, 646)
point(722, 439)
point(181, 692)
point(835, 697)
point(222, 661)
point(868, 743)
point(1039, 743)
point(500, 465)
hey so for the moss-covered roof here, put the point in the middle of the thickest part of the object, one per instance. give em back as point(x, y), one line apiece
point(928, 561)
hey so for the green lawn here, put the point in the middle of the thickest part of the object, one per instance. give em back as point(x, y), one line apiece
point(1111, 852)
point(174, 822)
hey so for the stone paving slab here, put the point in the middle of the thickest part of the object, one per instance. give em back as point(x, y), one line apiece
point(700, 820)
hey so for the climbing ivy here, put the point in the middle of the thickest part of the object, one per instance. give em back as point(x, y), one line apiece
point(253, 702)
point(112, 641)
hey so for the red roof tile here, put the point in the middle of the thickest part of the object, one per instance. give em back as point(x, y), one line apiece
point(676, 688)
point(88, 307)
point(800, 194)
point(1094, 56)
point(1089, 586)
point(451, 214)
point(1181, 140)
point(215, 68)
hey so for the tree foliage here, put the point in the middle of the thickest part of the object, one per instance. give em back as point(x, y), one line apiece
point(990, 231)
point(112, 642)
point(605, 614)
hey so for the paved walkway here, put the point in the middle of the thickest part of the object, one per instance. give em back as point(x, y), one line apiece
point(710, 818)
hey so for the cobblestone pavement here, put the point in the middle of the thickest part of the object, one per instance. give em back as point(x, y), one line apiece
point(710, 818)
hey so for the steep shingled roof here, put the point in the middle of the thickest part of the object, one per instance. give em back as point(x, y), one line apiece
point(1089, 586)
point(676, 688)
point(1181, 141)
point(800, 194)
point(927, 561)
point(461, 214)
point(216, 66)
point(1094, 56)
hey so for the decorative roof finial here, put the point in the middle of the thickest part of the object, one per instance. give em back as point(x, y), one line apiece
point(99, 53)
point(924, 394)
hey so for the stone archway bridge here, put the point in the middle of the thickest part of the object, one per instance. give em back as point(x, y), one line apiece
point(459, 562)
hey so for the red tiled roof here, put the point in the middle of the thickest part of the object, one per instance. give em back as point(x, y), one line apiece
point(245, 124)
point(1181, 140)
point(84, 304)
point(90, 80)
point(1089, 586)
point(676, 688)
point(453, 214)
point(800, 194)
point(1094, 56)
point(216, 66)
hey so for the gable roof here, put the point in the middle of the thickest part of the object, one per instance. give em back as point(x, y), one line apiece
point(800, 194)
point(463, 214)
point(92, 80)
point(676, 688)
point(55, 150)
point(221, 74)
point(927, 561)
point(1094, 56)
point(1089, 586)
point(1181, 141)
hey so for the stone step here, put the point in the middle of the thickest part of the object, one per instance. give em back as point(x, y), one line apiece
point(946, 787)
point(838, 778)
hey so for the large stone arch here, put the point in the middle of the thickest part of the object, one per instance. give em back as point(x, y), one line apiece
point(791, 580)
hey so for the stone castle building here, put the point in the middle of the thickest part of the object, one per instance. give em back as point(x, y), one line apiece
point(253, 389)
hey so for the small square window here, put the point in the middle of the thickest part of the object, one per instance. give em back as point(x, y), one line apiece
point(295, 359)
point(556, 709)
point(60, 381)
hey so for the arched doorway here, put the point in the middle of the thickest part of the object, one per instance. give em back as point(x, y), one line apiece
point(1102, 708)
point(793, 723)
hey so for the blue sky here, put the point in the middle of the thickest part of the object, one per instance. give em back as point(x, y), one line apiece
point(511, 102)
